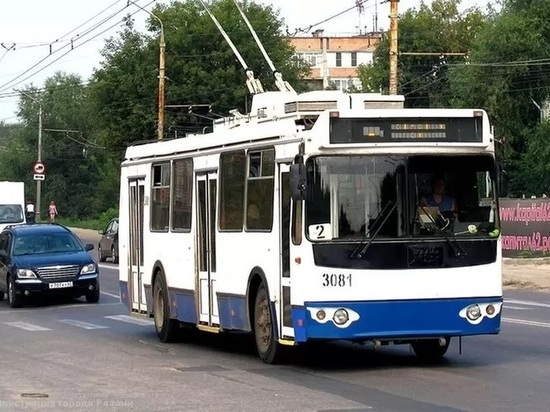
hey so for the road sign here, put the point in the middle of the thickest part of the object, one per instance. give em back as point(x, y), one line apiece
point(39, 168)
point(39, 177)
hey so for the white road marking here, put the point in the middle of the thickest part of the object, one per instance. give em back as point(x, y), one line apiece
point(104, 266)
point(109, 294)
point(84, 325)
point(527, 322)
point(516, 308)
point(26, 326)
point(131, 319)
point(527, 303)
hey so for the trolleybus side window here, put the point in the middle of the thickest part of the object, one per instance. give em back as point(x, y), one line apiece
point(182, 192)
point(259, 190)
point(160, 195)
point(232, 179)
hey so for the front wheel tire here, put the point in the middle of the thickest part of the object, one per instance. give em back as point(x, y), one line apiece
point(430, 351)
point(14, 300)
point(114, 257)
point(269, 349)
point(100, 254)
point(93, 297)
point(167, 329)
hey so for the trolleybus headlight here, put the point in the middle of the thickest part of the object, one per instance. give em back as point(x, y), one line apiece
point(490, 309)
point(473, 312)
point(340, 316)
point(321, 314)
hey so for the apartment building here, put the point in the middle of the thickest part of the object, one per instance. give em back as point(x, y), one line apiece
point(334, 59)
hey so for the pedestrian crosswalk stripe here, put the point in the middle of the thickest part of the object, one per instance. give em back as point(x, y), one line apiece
point(83, 325)
point(26, 326)
point(131, 319)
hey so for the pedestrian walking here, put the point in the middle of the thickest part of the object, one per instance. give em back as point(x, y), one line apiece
point(52, 210)
point(29, 212)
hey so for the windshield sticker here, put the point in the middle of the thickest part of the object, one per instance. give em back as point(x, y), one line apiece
point(322, 231)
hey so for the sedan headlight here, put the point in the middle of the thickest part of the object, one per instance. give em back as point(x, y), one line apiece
point(91, 268)
point(26, 274)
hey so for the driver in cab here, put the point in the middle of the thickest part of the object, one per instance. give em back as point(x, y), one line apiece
point(439, 198)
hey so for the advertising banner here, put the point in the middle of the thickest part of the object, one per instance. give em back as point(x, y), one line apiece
point(525, 227)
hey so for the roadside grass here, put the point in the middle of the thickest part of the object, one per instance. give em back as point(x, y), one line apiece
point(513, 282)
point(93, 224)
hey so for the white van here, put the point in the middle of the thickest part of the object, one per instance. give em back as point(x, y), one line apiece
point(12, 204)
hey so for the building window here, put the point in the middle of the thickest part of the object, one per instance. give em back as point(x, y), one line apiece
point(160, 197)
point(232, 179)
point(259, 190)
point(182, 172)
point(338, 59)
point(353, 59)
point(313, 59)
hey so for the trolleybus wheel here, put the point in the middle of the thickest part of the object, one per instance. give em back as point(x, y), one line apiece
point(430, 350)
point(268, 347)
point(167, 329)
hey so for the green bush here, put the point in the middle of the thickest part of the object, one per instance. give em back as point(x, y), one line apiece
point(94, 224)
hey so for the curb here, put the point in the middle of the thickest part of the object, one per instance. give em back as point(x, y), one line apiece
point(526, 261)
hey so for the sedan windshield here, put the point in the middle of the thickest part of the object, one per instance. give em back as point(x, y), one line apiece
point(399, 196)
point(46, 243)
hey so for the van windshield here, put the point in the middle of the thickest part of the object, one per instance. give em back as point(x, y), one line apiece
point(11, 214)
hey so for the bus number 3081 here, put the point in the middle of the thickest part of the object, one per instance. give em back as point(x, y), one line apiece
point(336, 280)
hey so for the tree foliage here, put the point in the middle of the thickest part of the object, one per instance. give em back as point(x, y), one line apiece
point(439, 28)
point(508, 76)
point(201, 69)
point(76, 166)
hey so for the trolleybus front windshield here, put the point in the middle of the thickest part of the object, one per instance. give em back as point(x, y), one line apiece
point(353, 197)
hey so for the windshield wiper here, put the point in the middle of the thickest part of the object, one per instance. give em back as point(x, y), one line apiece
point(454, 244)
point(362, 244)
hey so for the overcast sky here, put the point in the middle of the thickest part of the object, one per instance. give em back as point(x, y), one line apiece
point(35, 25)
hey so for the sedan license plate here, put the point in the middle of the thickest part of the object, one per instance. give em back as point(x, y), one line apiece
point(59, 285)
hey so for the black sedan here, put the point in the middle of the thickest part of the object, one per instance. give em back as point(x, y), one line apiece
point(45, 258)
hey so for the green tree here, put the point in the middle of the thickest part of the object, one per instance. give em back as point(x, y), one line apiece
point(438, 28)
point(75, 163)
point(200, 68)
point(507, 74)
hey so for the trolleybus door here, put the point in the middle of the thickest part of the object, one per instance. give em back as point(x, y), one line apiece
point(285, 308)
point(137, 192)
point(206, 241)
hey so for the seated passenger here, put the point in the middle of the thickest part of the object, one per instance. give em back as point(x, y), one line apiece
point(438, 198)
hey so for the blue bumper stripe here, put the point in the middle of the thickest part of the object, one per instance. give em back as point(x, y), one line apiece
point(394, 319)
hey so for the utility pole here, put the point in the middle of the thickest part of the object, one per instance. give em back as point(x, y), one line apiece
point(393, 46)
point(162, 72)
point(162, 76)
point(38, 181)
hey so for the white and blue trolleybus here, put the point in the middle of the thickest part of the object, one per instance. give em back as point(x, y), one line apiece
point(321, 216)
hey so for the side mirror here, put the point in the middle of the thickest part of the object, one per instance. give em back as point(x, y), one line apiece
point(89, 247)
point(298, 181)
point(502, 180)
point(100, 231)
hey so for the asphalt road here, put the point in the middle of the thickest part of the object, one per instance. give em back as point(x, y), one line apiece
point(78, 356)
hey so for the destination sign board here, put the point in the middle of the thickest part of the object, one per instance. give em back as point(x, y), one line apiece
point(361, 130)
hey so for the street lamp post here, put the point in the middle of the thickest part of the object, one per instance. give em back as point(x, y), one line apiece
point(162, 74)
point(38, 182)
